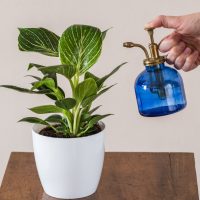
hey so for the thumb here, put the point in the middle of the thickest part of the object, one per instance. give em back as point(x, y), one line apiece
point(164, 21)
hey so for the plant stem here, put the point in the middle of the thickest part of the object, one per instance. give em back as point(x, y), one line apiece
point(76, 119)
point(72, 87)
point(53, 128)
point(69, 122)
point(76, 79)
point(76, 109)
point(83, 132)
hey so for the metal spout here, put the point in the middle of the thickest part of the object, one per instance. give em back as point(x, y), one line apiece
point(131, 45)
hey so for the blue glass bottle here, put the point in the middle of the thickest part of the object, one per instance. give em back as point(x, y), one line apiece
point(159, 89)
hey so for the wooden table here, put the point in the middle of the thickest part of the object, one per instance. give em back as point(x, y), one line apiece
point(126, 176)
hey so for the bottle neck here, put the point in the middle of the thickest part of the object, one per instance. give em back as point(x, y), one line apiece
point(155, 67)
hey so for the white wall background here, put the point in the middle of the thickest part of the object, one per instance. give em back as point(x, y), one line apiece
point(126, 130)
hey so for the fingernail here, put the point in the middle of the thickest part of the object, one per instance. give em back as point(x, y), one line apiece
point(149, 24)
point(187, 51)
point(186, 68)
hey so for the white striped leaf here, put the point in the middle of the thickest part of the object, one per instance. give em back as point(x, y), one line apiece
point(104, 33)
point(65, 70)
point(80, 46)
point(38, 40)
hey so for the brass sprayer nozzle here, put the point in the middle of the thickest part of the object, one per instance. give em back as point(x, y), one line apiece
point(131, 44)
point(154, 57)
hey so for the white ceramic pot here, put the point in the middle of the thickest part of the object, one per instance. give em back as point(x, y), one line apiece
point(69, 168)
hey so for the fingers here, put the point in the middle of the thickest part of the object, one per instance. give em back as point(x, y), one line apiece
point(180, 60)
point(186, 60)
point(175, 52)
point(179, 53)
point(164, 21)
point(190, 61)
point(169, 42)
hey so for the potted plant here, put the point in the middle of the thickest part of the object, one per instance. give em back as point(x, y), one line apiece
point(69, 143)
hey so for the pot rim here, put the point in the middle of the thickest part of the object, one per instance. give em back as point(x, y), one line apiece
point(35, 131)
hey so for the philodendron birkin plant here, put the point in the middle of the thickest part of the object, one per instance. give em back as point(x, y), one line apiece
point(68, 162)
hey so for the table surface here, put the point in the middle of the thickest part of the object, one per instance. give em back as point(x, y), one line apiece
point(126, 176)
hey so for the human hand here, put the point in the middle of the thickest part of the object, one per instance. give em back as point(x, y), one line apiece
point(183, 44)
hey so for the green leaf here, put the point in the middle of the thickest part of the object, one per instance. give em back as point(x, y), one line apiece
point(66, 104)
point(49, 75)
point(87, 101)
point(24, 90)
point(61, 92)
point(54, 119)
point(55, 93)
point(85, 89)
point(95, 119)
point(38, 40)
point(94, 109)
point(80, 46)
point(39, 67)
point(105, 89)
point(34, 120)
point(92, 121)
point(90, 75)
point(48, 82)
point(31, 65)
point(66, 70)
point(100, 81)
point(63, 130)
point(85, 117)
point(35, 77)
point(103, 79)
point(51, 96)
point(104, 33)
point(46, 109)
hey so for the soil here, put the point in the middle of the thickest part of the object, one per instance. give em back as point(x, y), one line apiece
point(48, 131)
